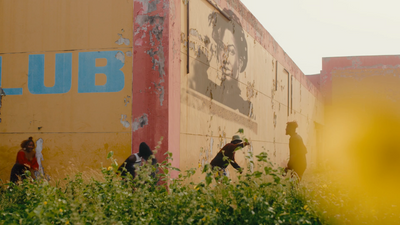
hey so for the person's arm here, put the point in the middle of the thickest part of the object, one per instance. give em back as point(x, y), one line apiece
point(234, 164)
point(242, 144)
point(232, 155)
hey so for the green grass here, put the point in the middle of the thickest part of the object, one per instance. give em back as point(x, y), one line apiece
point(260, 197)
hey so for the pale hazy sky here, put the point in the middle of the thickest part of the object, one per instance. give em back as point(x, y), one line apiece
point(308, 30)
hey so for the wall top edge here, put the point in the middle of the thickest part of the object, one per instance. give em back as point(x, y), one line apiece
point(255, 29)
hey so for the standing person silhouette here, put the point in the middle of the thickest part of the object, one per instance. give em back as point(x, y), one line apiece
point(298, 151)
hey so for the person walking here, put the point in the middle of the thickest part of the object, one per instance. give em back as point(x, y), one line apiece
point(226, 155)
point(298, 151)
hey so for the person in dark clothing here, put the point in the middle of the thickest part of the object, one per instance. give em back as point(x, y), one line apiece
point(298, 151)
point(228, 151)
point(134, 161)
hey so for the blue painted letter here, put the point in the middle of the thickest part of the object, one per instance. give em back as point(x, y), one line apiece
point(88, 70)
point(62, 75)
point(9, 91)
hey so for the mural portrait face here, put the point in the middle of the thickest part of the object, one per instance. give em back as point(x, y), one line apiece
point(227, 50)
point(231, 45)
point(229, 56)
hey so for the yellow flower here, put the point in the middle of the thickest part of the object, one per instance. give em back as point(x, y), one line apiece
point(202, 206)
point(199, 165)
point(306, 207)
point(67, 222)
point(284, 193)
point(45, 203)
point(216, 210)
point(204, 219)
point(61, 210)
point(109, 168)
point(197, 189)
point(255, 197)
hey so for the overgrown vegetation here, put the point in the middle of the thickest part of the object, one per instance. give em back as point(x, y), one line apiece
point(260, 197)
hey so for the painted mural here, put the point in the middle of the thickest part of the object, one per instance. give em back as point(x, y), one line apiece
point(228, 48)
point(238, 77)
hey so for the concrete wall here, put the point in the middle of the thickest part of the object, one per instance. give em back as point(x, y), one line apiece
point(89, 77)
point(360, 77)
point(362, 117)
point(239, 77)
point(156, 76)
point(66, 67)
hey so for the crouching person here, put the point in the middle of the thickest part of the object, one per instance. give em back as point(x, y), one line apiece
point(133, 163)
point(226, 156)
point(26, 161)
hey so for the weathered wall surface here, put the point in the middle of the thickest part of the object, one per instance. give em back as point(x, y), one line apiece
point(66, 68)
point(362, 117)
point(91, 76)
point(360, 77)
point(156, 77)
point(239, 77)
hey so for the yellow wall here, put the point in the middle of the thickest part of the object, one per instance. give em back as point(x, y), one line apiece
point(77, 127)
point(209, 118)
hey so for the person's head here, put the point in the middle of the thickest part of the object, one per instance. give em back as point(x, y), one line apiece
point(145, 151)
point(28, 144)
point(291, 128)
point(231, 43)
point(236, 139)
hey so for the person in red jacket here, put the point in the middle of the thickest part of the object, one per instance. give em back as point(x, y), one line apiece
point(26, 160)
point(298, 151)
point(228, 151)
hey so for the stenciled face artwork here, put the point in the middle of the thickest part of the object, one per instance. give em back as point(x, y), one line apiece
point(229, 56)
point(227, 47)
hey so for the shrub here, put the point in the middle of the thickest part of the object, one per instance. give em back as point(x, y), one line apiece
point(260, 197)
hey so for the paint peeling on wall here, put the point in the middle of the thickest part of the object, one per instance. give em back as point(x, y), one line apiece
point(124, 121)
point(251, 111)
point(159, 91)
point(39, 155)
point(120, 56)
point(211, 148)
point(140, 122)
point(250, 90)
point(183, 39)
point(122, 40)
point(202, 162)
point(196, 33)
point(127, 100)
point(249, 157)
point(222, 137)
point(2, 93)
point(155, 27)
